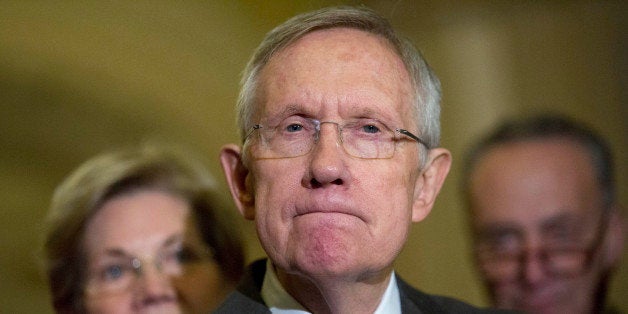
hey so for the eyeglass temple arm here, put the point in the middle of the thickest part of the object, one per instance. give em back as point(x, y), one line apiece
point(414, 137)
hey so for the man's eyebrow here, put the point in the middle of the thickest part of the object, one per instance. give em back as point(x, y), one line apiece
point(359, 110)
point(494, 230)
point(561, 219)
point(275, 116)
point(389, 118)
point(289, 109)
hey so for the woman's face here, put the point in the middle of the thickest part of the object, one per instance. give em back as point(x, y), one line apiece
point(145, 255)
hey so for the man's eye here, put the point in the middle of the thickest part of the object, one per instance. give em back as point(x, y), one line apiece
point(501, 242)
point(563, 234)
point(294, 127)
point(370, 128)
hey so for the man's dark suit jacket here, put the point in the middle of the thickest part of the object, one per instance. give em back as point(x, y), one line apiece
point(247, 298)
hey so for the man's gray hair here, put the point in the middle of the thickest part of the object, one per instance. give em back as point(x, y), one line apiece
point(425, 84)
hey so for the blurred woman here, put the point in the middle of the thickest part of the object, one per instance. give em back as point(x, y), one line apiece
point(141, 231)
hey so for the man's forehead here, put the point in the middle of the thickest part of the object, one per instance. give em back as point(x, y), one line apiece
point(542, 165)
point(335, 66)
point(346, 44)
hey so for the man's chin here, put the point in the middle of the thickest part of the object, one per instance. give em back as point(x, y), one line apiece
point(161, 309)
point(541, 305)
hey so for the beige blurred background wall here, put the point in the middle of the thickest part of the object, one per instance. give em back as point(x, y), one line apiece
point(79, 78)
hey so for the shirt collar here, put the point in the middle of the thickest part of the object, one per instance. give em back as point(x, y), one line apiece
point(279, 301)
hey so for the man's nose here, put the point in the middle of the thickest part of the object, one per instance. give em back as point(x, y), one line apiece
point(532, 266)
point(328, 156)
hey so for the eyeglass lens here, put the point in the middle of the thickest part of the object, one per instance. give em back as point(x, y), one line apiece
point(567, 259)
point(119, 271)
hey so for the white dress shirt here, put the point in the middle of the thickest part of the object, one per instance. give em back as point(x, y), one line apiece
point(279, 301)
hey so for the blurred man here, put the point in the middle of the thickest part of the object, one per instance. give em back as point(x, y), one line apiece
point(546, 224)
point(339, 119)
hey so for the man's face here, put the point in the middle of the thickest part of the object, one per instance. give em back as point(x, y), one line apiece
point(529, 197)
point(327, 213)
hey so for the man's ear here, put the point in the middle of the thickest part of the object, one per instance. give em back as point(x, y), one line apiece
point(237, 175)
point(429, 182)
point(615, 237)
